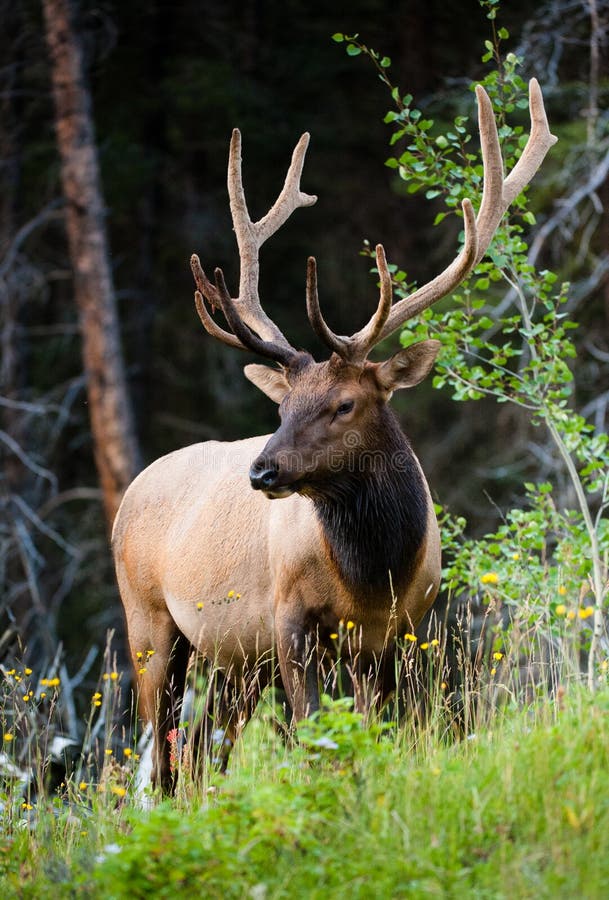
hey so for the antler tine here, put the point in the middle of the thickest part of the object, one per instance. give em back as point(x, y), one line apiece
point(248, 339)
point(337, 343)
point(355, 348)
point(363, 341)
point(251, 235)
point(498, 193)
point(443, 283)
point(206, 289)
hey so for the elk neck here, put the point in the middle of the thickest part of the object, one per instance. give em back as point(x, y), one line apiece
point(374, 512)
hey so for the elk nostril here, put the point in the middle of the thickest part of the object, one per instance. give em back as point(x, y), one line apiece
point(269, 477)
point(263, 475)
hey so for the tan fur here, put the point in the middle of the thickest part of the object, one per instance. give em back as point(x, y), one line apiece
point(190, 531)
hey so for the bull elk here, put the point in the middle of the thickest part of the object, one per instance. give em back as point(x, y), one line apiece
point(205, 561)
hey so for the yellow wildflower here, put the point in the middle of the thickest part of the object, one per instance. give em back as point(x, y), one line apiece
point(410, 637)
point(127, 751)
point(490, 578)
point(83, 785)
point(142, 670)
point(8, 737)
point(584, 612)
point(27, 671)
point(230, 595)
point(434, 643)
point(561, 609)
point(493, 671)
point(333, 636)
point(497, 655)
point(113, 676)
point(562, 590)
point(139, 654)
point(515, 556)
point(350, 625)
point(424, 645)
point(571, 615)
point(199, 605)
point(119, 791)
point(108, 751)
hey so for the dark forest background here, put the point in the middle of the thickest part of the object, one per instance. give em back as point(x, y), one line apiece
point(167, 83)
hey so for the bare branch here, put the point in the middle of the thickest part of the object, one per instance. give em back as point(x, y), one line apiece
point(27, 460)
point(47, 214)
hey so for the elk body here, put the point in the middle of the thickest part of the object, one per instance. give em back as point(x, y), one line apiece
point(207, 561)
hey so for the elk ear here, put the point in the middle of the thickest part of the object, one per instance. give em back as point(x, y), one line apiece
point(271, 382)
point(408, 367)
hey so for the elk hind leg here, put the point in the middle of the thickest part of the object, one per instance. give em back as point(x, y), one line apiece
point(160, 658)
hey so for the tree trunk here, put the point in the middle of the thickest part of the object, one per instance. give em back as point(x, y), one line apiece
point(115, 445)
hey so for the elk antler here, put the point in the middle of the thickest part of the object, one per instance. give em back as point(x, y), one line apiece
point(498, 193)
point(254, 331)
point(356, 347)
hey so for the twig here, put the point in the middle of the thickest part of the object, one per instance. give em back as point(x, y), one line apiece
point(27, 460)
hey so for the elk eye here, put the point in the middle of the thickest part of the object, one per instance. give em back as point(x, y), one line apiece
point(345, 408)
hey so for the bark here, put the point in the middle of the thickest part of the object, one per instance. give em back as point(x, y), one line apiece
point(115, 445)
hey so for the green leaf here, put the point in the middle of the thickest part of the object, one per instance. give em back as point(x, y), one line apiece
point(385, 62)
point(338, 37)
point(353, 50)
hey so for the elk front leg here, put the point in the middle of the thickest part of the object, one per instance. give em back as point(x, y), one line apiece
point(231, 700)
point(298, 664)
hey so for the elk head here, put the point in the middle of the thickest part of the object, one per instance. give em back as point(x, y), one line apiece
point(334, 413)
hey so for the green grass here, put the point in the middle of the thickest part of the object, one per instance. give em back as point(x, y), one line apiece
point(520, 809)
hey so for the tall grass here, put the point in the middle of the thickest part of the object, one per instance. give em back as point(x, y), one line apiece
point(490, 779)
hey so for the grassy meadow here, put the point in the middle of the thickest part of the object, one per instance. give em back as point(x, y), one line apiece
point(491, 788)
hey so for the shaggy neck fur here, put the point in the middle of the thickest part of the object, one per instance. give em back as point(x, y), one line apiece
point(375, 518)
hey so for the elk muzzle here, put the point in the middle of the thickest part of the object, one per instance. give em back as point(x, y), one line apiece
point(277, 470)
point(264, 474)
